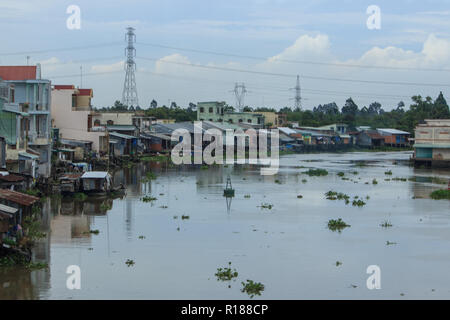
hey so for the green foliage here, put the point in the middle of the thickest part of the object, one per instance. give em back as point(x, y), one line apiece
point(148, 199)
point(80, 196)
point(252, 288)
point(226, 274)
point(440, 194)
point(373, 116)
point(337, 225)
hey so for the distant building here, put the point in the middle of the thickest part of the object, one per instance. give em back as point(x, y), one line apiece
point(215, 112)
point(72, 115)
point(394, 137)
point(272, 119)
point(432, 143)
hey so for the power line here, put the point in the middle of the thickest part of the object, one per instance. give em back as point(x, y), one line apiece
point(108, 44)
point(285, 75)
point(346, 65)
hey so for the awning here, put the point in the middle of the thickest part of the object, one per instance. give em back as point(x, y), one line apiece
point(28, 155)
point(8, 210)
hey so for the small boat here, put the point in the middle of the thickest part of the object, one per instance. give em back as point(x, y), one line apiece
point(70, 182)
point(97, 182)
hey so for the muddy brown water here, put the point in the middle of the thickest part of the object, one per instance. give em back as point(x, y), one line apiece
point(288, 248)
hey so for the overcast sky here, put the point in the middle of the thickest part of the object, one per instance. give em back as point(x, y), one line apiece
point(320, 39)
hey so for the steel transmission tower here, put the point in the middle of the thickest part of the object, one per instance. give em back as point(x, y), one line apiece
point(239, 91)
point(129, 95)
point(298, 95)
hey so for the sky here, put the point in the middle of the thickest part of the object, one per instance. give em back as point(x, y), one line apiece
point(193, 51)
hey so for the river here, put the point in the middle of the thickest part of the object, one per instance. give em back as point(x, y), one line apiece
point(178, 241)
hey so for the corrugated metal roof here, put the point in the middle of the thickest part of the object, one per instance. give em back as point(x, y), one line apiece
point(392, 131)
point(18, 197)
point(94, 175)
point(28, 155)
point(121, 135)
point(8, 209)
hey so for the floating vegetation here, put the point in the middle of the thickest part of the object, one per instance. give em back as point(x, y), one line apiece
point(32, 192)
point(226, 274)
point(399, 179)
point(358, 203)
point(148, 199)
point(389, 243)
point(389, 173)
point(175, 217)
point(345, 179)
point(316, 172)
point(304, 181)
point(338, 263)
point(355, 172)
point(440, 194)
point(277, 181)
point(141, 237)
point(386, 224)
point(129, 263)
point(266, 206)
point(374, 181)
point(80, 196)
point(184, 217)
point(333, 195)
point(94, 231)
point(163, 207)
point(337, 225)
point(19, 260)
point(252, 288)
point(204, 167)
point(341, 174)
point(360, 164)
point(299, 196)
point(387, 179)
point(247, 196)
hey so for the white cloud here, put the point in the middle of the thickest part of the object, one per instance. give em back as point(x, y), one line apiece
point(117, 66)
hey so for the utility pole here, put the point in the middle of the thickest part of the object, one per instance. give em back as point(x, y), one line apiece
point(28, 60)
point(298, 95)
point(239, 92)
point(129, 95)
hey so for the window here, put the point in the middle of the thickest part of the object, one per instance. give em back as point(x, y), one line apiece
point(211, 110)
point(240, 120)
point(202, 109)
point(249, 120)
point(109, 122)
point(97, 123)
point(230, 120)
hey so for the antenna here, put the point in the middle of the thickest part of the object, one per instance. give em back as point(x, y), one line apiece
point(129, 95)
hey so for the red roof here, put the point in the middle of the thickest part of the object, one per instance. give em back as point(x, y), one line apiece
point(18, 72)
point(64, 86)
point(85, 92)
point(18, 197)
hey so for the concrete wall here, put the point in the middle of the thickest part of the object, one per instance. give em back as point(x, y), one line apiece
point(72, 124)
point(120, 118)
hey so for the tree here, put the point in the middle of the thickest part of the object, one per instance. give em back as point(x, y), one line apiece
point(440, 110)
point(247, 109)
point(153, 104)
point(374, 108)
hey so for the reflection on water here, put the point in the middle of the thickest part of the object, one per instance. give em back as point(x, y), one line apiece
point(287, 248)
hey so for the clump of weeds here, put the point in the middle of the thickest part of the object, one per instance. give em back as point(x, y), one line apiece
point(386, 224)
point(226, 274)
point(129, 263)
point(337, 225)
point(252, 288)
point(148, 199)
point(266, 206)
